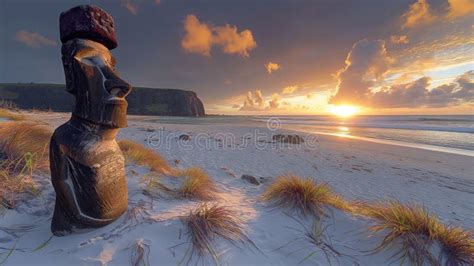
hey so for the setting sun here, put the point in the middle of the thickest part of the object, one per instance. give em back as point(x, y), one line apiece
point(344, 110)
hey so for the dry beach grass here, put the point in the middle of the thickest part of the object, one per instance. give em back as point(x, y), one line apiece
point(303, 195)
point(139, 154)
point(407, 230)
point(7, 114)
point(23, 150)
point(20, 138)
point(192, 183)
point(414, 231)
point(196, 185)
point(207, 223)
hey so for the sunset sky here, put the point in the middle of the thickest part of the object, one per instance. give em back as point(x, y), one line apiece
point(270, 57)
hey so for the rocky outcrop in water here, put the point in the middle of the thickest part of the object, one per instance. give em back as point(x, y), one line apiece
point(141, 101)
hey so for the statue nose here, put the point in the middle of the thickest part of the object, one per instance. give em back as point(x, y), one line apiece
point(117, 86)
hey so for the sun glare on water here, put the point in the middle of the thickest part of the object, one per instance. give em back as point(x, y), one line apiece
point(344, 110)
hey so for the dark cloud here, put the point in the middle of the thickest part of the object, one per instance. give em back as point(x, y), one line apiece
point(418, 94)
point(366, 66)
point(366, 63)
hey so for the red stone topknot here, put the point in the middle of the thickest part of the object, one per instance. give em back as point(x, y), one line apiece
point(88, 22)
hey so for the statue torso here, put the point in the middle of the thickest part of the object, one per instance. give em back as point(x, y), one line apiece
point(94, 167)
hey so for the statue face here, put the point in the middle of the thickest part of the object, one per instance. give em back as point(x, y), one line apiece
point(91, 77)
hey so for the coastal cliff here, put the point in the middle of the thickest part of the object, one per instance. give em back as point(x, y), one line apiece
point(141, 101)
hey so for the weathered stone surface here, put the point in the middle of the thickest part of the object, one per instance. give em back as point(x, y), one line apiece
point(141, 101)
point(88, 22)
point(87, 166)
point(251, 179)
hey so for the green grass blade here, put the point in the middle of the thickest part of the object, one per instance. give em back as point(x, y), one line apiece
point(9, 254)
point(44, 244)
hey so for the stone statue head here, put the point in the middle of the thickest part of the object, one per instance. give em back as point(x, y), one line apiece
point(88, 35)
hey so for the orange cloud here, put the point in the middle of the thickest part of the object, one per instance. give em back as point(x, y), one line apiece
point(399, 39)
point(33, 39)
point(252, 103)
point(272, 67)
point(418, 14)
point(200, 37)
point(458, 8)
point(289, 89)
point(274, 103)
point(256, 102)
point(233, 42)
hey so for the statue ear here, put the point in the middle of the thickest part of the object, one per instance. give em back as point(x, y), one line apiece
point(69, 74)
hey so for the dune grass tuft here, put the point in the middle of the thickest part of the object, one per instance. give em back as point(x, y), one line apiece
point(417, 231)
point(192, 183)
point(141, 155)
point(409, 227)
point(457, 246)
point(207, 223)
point(4, 113)
point(18, 139)
point(14, 182)
point(196, 185)
point(23, 150)
point(303, 195)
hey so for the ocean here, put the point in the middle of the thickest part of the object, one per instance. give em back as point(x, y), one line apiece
point(448, 133)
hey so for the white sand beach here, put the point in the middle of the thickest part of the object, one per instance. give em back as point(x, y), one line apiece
point(358, 170)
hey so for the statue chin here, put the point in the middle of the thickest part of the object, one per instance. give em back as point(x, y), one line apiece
point(113, 115)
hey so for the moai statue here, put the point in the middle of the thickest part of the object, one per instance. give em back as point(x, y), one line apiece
point(87, 166)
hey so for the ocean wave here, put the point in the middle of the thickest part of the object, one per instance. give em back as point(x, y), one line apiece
point(462, 124)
